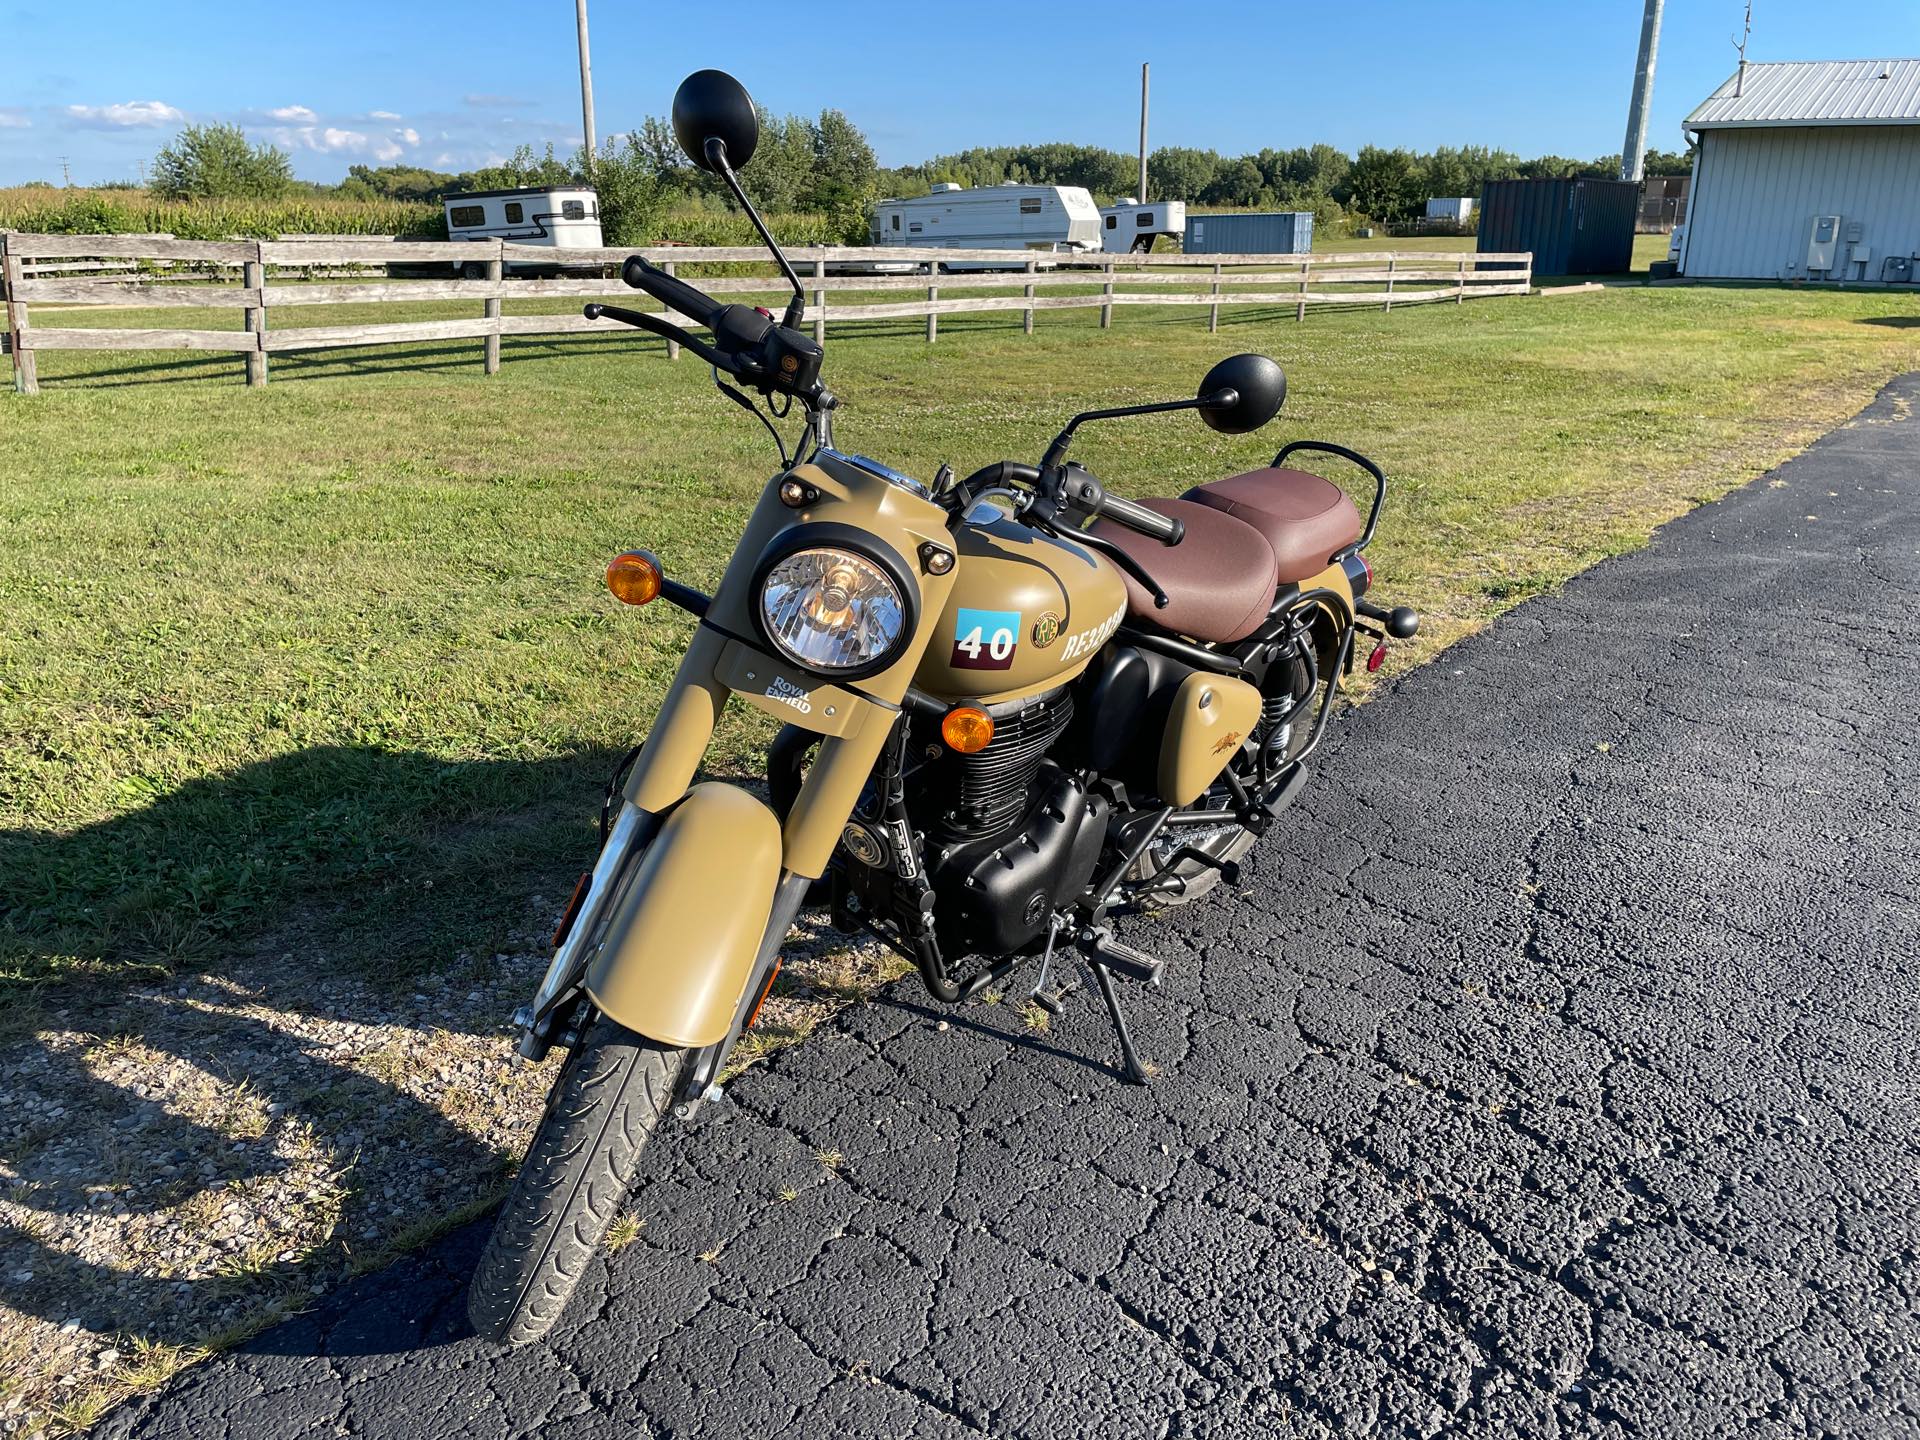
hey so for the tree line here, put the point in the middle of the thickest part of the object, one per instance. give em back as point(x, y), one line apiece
point(824, 165)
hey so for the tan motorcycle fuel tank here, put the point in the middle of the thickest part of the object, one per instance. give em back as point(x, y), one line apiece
point(1027, 612)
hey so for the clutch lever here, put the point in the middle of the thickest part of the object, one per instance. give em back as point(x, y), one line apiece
point(641, 320)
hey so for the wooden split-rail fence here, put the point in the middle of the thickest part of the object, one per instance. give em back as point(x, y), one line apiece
point(270, 276)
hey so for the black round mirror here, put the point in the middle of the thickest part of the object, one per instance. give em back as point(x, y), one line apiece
point(1245, 391)
point(712, 105)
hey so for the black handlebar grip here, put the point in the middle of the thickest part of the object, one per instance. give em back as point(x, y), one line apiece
point(675, 294)
point(1151, 523)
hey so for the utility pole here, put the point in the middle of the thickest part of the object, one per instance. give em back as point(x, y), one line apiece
point(1633, 156)
point(586, 82)
point(1142, 196)
point(1746, 34)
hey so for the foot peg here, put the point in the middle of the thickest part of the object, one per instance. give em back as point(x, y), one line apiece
point(1103, 949)
point(1229, 870)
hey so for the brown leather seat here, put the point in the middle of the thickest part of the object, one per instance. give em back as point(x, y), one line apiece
point(1305, 518)
point(1219, 579)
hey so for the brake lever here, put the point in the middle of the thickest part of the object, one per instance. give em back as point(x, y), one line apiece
point(1124, 560)
point(641, 320)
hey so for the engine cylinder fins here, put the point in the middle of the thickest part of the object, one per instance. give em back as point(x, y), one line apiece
point(987, 793)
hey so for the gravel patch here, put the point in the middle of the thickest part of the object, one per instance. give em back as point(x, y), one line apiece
point(186, 1160)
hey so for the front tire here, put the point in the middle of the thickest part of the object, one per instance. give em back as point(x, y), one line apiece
point(606, 1100)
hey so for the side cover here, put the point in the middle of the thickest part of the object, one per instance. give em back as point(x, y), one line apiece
point(1211, 719)
point(680, 945)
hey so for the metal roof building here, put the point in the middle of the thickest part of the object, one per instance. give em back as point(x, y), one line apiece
point(1808, 170)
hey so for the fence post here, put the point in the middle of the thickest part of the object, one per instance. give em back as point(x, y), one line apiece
point(1213, 313)
point(1460, 284)
point(1106, 310)
point(490, 308)
point(253, 275)
point(1389, 282)
point(1027, 321)
point(673, 346)
point(26, 378)
point(1300, 313)
point(933, 294)
point(820, 297)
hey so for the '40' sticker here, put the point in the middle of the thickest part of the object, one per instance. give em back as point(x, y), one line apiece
point(985, 639)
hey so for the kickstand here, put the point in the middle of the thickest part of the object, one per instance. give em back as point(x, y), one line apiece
point(1136, 1073)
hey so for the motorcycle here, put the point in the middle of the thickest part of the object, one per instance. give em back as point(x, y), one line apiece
point(1014, 705)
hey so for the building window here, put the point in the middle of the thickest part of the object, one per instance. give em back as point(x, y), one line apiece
point(914, 229)
point(1030, 206)
point(1144, 219)
point(1112, 220)
point(896, 220)
point(514, 213)
point(465, 216)
point(573, 210)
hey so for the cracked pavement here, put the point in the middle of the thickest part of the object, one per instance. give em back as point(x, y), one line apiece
point(1554, 1073)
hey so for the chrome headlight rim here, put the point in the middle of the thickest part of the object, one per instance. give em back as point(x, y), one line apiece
point(830, 535)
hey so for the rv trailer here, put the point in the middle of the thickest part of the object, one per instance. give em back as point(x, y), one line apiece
point(1129, 225)
point(564, 216)
point(1055, 219)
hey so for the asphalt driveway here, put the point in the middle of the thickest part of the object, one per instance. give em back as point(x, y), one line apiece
point(1556, 1075)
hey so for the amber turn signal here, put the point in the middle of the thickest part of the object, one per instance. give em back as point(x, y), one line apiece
point(634, 578)
point(967, 728)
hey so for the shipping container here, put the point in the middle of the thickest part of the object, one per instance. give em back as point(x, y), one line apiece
point(1278, 232)
point(1572, 227)
point(1459, 210)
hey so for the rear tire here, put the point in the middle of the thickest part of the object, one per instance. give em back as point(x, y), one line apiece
point(605, 1102)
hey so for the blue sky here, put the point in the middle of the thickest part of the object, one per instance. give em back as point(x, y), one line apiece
point(451, 85)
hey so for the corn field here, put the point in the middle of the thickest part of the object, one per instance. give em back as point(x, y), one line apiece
point(45, 210)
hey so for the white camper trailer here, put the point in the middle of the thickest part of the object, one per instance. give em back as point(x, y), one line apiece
point(1057, 219)
point(1130, 225)
point(564, 216)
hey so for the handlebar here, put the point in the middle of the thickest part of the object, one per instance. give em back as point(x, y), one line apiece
point(674, 293)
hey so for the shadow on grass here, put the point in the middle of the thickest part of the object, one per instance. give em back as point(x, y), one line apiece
point(1895, 322)
point(188, 989)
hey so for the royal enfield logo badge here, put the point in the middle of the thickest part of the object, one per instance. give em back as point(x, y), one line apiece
point(1046, 630)
point(787, 693)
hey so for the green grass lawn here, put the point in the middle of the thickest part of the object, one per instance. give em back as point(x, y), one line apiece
point(336, 655)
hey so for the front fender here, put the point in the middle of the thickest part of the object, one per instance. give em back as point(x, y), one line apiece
point(682, 939)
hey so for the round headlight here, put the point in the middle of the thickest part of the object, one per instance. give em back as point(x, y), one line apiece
point(833, 610)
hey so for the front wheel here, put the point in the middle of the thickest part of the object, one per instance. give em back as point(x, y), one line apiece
point(606, 1100)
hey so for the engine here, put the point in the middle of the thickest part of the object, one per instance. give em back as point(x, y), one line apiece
point(1010, 835)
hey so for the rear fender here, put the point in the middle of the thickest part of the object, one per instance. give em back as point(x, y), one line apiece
point(681, 942)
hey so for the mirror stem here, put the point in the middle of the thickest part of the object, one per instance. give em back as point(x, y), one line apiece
point(716, 151)
point(1057, 451)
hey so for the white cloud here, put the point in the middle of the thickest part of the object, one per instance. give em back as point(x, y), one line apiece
point(410, 135)
point(298, 113)
point(127, 114)
point(382, 115)
point(14, 120)
point(445, 157)
point(333, 140)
